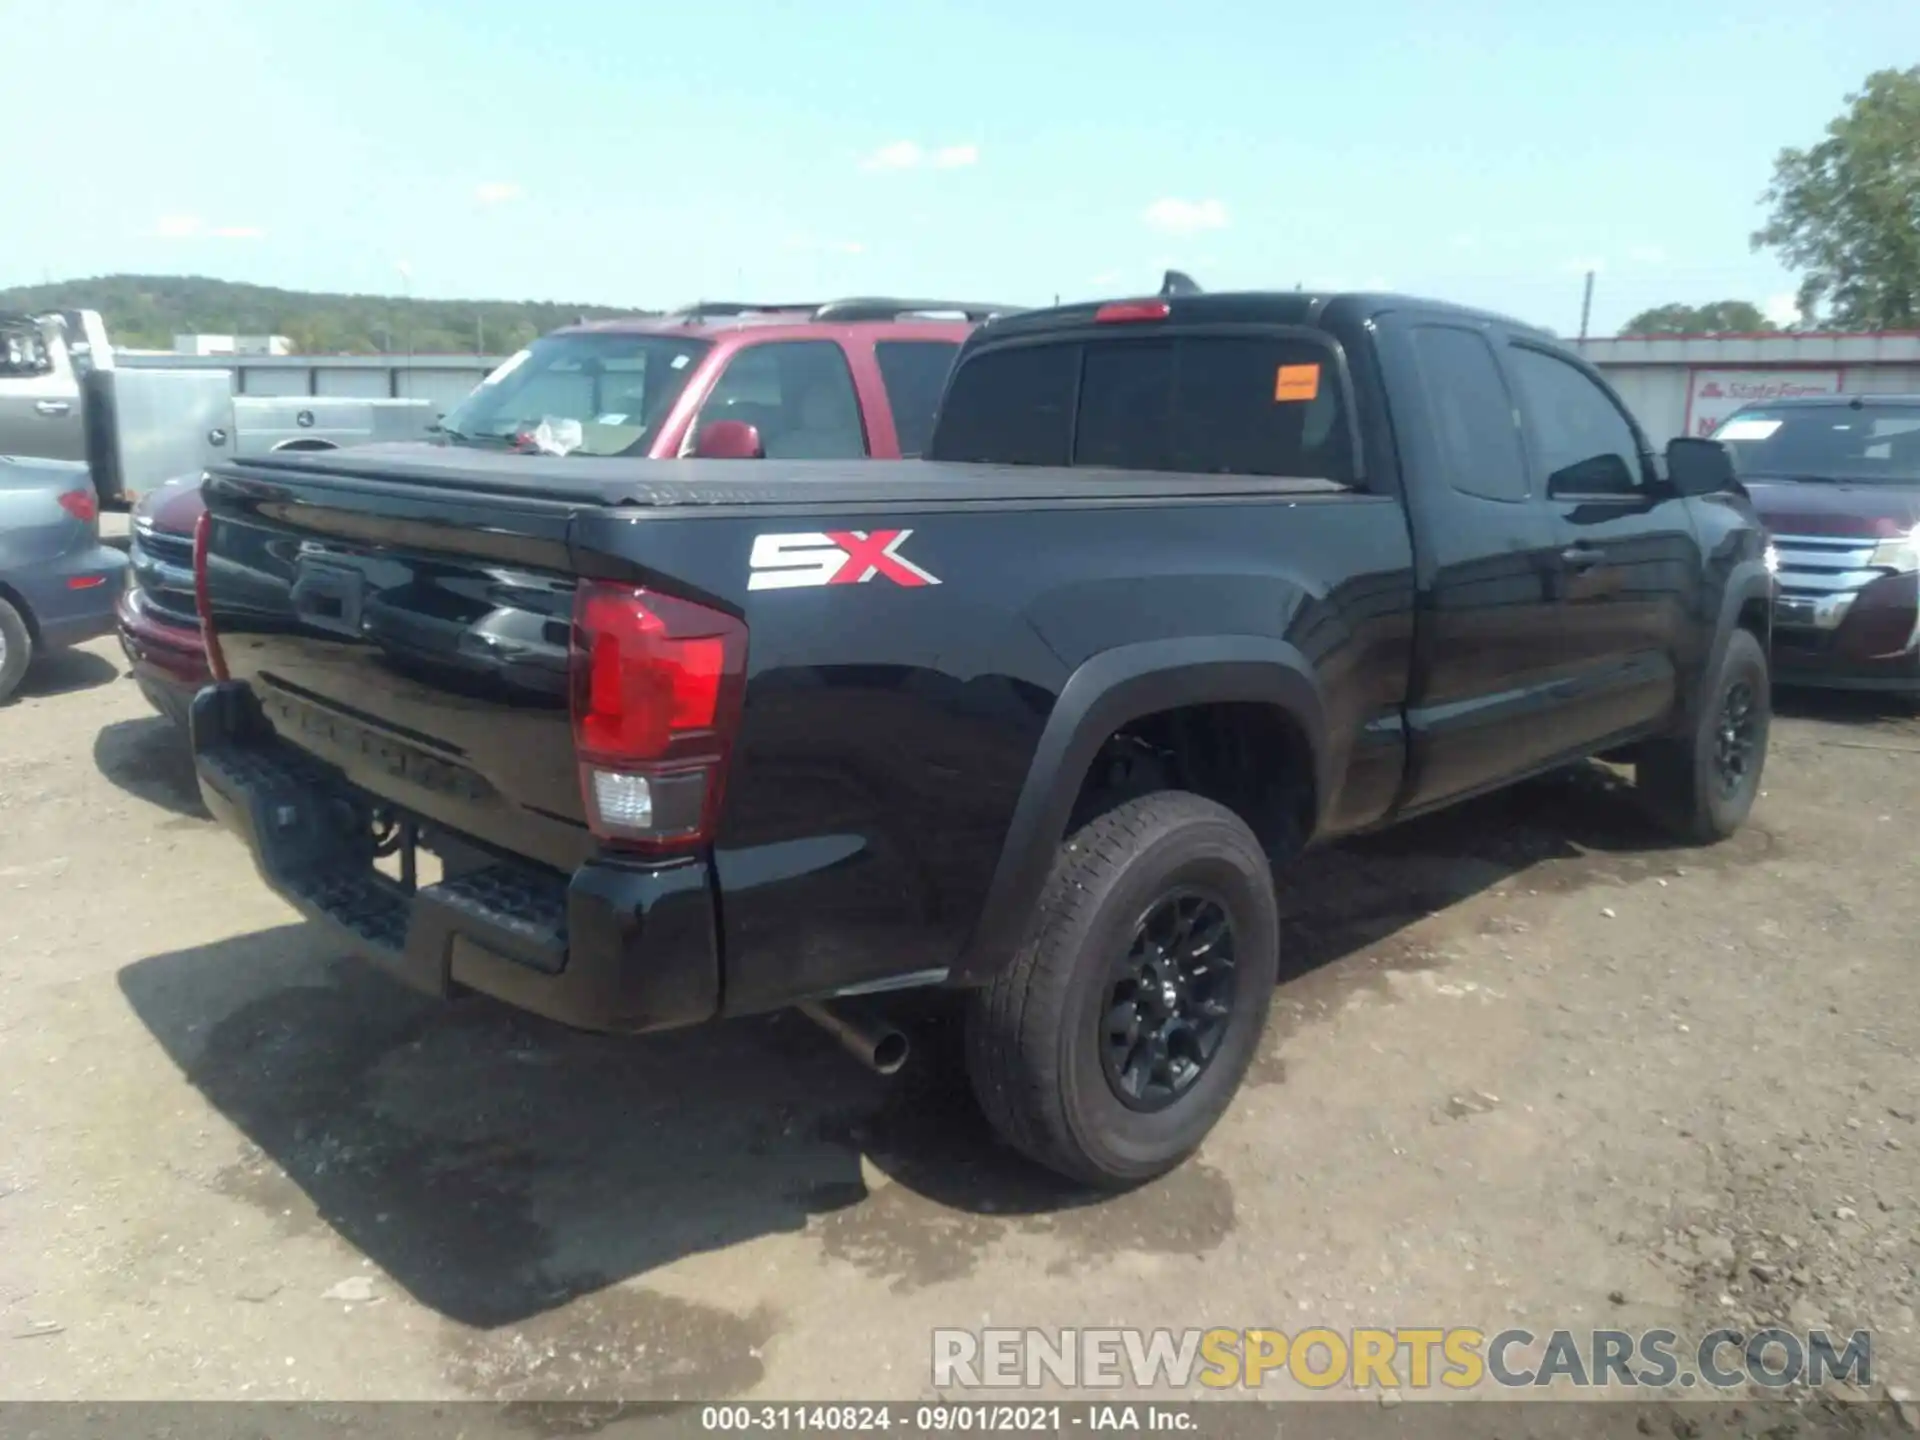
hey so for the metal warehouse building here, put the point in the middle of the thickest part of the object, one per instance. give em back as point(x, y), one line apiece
point(1687, 384)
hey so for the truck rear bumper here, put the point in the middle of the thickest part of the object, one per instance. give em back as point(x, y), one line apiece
point(613, 947)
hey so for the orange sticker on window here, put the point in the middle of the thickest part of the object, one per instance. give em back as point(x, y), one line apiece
point(1296, 382)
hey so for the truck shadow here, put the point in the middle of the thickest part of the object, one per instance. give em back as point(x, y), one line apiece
point(149, 758)
point(497, 1167)
point(493, 1165)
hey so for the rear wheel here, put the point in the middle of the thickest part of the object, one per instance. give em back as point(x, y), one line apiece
point(16, 649)
point(1703, 786)
point(1117, 1038)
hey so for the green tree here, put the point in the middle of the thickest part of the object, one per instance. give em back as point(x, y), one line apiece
point(1846, 214)
point(1720, 317)
point(147, 311)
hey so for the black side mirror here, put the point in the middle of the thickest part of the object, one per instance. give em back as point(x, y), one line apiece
point(1700, 467)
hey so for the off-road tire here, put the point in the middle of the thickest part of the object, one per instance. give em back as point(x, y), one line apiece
point(1033, 1035)
point(1678, 778)
point(16, 649)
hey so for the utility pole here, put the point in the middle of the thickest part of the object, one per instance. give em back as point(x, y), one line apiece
point(1586, 306)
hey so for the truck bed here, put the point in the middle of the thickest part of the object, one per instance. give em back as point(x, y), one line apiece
point(807, 484)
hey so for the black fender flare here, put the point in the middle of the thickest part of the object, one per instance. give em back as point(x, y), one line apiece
point(1103, 694)
point(1748, 580)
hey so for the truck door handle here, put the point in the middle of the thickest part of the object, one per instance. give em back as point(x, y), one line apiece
point(52, 407)
point(1581, 557)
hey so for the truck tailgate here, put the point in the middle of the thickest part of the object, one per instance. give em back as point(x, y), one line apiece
point(416, 641)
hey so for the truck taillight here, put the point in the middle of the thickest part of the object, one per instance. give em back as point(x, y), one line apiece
point(216, 662)
point(657, 685)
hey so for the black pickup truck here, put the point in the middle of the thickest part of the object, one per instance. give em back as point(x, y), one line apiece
point(1185, 584)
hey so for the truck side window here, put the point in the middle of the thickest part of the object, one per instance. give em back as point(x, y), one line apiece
point(1011, 407)
point(1582, 441)
point(914, 372)
point(799, 394)
point(1473, 414)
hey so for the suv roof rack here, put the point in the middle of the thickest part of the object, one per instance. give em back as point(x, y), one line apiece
point(881, 308)
point(866, 307)
point(720, 309)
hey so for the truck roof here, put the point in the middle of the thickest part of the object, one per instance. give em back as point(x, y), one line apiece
point(1272, 307)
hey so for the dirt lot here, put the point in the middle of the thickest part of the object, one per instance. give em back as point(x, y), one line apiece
point(1534, 1068)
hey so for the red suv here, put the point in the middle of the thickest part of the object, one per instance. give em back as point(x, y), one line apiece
point(849, 380)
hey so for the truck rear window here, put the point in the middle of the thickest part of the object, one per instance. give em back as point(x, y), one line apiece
point(1210, 405)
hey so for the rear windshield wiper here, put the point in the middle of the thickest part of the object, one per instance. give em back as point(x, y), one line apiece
point(1808, 479)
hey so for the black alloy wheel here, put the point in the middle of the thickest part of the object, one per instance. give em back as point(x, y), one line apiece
point(1736, 739)
point(1169, 1001)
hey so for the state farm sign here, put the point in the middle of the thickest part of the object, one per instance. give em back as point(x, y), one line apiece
point(1716, 394)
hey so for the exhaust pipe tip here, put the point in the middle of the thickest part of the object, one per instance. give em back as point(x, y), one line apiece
point(881, 1047)
point(889, 1053)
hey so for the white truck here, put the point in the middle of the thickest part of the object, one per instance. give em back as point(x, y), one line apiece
point(63, 397)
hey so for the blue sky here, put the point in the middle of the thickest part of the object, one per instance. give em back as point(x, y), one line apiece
point(648, 154)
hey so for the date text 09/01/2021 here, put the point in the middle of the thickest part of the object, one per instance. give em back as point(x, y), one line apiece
point(939, 1419)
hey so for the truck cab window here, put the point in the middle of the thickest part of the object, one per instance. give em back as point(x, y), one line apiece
point(1473, 418)
point(1011, 407)
point(798, 394)
point(1582, 442)
point(1196, 404)
point(1259, 405)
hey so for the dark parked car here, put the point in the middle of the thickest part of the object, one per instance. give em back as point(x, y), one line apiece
point(58, 583)
point(1186, 583)
point(1837, 482)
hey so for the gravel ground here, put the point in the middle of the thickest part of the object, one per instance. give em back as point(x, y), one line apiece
point(1532, 1068)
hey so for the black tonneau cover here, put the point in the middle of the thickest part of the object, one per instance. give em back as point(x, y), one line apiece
point(594, 480)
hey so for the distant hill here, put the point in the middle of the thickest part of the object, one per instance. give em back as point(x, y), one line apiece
point(147, 311)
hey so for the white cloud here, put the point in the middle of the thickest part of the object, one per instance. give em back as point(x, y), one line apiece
point(192, 227)
point(1782, 309)
point(911, 155)
point(1465, 240)
point(900, 155)
point(1582, 266)
point(1647, 255)
point(1106, 277)
point(1173, 216)
point(497, 192)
